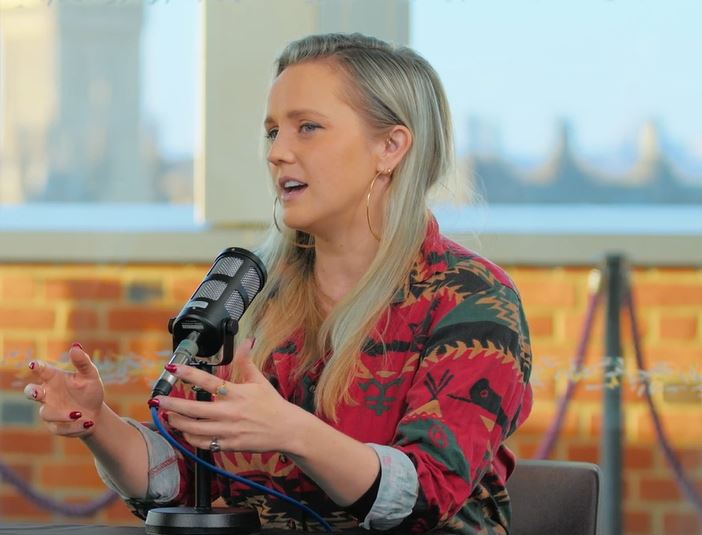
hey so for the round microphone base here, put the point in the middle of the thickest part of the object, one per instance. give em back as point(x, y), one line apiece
point(190, 521)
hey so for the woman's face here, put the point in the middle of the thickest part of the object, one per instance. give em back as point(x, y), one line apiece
point(322, 154)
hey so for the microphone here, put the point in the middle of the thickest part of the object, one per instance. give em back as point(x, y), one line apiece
point(213, 312)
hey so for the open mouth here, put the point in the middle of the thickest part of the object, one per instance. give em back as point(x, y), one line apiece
point(293, 186)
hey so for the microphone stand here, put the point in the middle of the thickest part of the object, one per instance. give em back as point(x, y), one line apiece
point(202, 519)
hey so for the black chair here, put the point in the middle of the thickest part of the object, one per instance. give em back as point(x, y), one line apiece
point(554, 497)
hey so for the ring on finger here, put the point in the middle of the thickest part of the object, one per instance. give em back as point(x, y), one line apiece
point(221, 390)
point(214, 445)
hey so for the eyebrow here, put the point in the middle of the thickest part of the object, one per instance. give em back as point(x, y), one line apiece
point(294, 114)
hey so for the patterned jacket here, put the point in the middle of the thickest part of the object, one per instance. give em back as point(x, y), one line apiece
point(447, 384)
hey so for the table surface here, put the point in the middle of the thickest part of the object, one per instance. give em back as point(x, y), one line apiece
point(85, 529)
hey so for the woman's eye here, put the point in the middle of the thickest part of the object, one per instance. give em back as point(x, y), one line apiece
point(272, 134)
point(308, 127)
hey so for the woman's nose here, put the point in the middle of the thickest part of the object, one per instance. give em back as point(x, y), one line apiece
point(280, 151)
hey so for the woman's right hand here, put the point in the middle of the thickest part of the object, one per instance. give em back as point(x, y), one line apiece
point(70, 401)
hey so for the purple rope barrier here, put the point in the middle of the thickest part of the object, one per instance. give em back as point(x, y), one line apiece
point(681, 479)
point(549, 440)
point(83, 509)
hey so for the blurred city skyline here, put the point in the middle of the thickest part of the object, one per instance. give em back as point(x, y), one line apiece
point(522, 67)
point(618, 73)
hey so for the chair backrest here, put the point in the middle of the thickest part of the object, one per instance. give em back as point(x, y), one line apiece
point(554, 497)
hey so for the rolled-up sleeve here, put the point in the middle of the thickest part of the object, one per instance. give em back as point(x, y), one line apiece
point(397, 492)
point(164, 475)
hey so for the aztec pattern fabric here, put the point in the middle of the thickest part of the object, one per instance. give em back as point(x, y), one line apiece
point(446, 385)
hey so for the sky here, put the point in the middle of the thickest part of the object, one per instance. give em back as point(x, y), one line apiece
point(608, 66)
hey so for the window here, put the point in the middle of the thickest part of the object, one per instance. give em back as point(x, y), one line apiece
point(98, 102)
point(571, 102)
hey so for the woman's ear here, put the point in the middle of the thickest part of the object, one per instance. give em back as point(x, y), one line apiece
point(397, 142)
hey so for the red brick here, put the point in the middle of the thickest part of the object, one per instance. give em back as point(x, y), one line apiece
point(685, 433)
point(19, 350)
point(82, 319)
point(183, 289)
point(575, 323)
point(637, 522)
point(139, 319)
point(690, 459)
point(678, 355)
point(668, 294)
point(588, 390)
point(118, 513)
point(26, 318)
point(681, 524)
point(152, 347)
point(83, 289)
point(18, 288)
point(13, 380)
point(658, 489)
point(544, 388)
point(584, 453)
point(527, 449)
point(29, 442)
point(133, 387)
point(75, 448)
point(22, 469)
point(638, 457)
point(546, 292)
point(541, 325)
point(57, 348)
point(17, 507)
point(70, 474)
point(541, 419)
point(678, 327)
point(139, 410)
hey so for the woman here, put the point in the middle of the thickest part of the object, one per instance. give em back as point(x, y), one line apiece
point(390, 364)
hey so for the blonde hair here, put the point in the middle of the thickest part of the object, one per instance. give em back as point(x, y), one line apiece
point(389, 86)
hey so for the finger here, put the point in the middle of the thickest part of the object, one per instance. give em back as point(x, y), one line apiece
point(55, 415)
point(34, 392)
point(187, 407)
point(42, 371)
point(81, 361)
point(73, 429)
point(205, 442)
point(193, 426)
point(206, 381)
point(244, 367)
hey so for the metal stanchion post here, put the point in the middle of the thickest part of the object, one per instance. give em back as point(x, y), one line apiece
point(612, 410)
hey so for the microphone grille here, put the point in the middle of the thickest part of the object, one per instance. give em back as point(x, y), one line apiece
point(251, 283)
point(227, 265)
point(211, 289)
point(235, 305)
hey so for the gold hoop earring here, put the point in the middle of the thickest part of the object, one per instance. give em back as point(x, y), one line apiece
point(275, 222)
point(368, 198)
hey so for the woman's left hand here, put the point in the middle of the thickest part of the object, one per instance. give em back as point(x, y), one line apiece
point(249, 415)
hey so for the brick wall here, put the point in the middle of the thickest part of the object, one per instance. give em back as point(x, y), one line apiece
point(119, 314)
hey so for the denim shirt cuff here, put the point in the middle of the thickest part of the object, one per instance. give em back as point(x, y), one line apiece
point(164, 476)
point(398, 490)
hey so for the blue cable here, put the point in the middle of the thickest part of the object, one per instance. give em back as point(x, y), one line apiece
point(228, 475)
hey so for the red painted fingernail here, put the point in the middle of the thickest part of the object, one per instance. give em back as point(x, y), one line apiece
point(77, 344)
point(74, 415)
point(165, 417)
point(153, 402)
point(171, 368)
point(32, 365)
point(88, 424)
